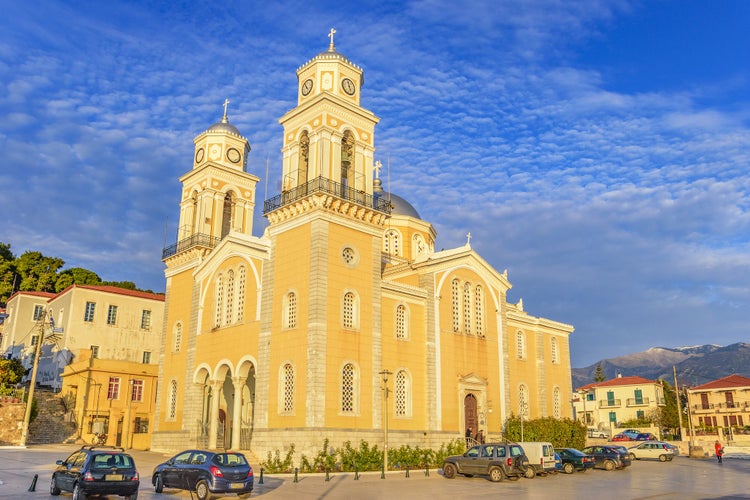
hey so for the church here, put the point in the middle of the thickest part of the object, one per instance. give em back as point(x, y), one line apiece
point(342, 321)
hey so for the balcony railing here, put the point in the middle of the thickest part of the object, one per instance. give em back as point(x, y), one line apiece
point(610, 403)
point(637, 401)
point(196, 240)
point(323, 185)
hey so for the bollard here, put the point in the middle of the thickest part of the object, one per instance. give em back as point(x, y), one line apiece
point(356, 473)
point(328, 474)
point(33, 483)
point(427, 470)
point(260, 481)
point(382, 472)
point(296, 470)
point(407, 471)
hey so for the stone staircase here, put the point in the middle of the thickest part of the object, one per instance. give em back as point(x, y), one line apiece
point(50, 425)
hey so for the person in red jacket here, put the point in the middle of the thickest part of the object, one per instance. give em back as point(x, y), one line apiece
point(719, 450)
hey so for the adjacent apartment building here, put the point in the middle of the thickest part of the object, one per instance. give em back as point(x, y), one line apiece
point(721, 406)
point(606, 404)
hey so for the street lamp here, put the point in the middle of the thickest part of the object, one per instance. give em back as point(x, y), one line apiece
point(585, 417)
point(385, 374)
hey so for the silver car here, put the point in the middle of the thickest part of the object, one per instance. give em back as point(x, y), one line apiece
point(651, 449)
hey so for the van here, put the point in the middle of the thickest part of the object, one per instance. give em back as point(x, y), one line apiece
point(541, 455)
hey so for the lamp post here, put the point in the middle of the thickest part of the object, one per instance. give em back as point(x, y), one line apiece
point(585, 417)
point(385, 374)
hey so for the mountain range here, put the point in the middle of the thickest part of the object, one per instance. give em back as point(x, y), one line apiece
point(695, 365)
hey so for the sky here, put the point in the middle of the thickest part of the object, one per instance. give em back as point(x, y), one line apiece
point(597, 150)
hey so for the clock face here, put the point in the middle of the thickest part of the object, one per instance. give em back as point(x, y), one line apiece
point(199, 155)
point(307, 86)
point(233, 155)
point(348, 86)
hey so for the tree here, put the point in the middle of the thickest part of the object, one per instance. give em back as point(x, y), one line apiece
point(11, 371)
point(8, 273)
point(599, 374)
point(76, 276)
point(38, 273)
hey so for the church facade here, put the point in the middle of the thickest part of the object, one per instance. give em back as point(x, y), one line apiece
point(342, 318)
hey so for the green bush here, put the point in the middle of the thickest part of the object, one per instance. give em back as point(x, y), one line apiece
point(275, 465)
point(562, 433)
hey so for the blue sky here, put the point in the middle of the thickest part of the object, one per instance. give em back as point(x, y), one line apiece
point(597, 150)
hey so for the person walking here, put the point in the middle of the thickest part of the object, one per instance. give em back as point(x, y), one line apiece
point(468, 436)
point(719, 450)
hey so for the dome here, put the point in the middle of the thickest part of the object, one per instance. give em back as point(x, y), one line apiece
point(400, 205)
point(224, 126)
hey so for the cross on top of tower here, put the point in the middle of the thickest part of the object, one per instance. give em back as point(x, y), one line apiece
point(378, 166)
point(330, 35)
point(224, 118)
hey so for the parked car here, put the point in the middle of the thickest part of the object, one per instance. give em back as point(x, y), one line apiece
point(675, 449)
point(96, 470)
point(623, 453)
point(652, 449)
point(593, 432)
point(206, 473)
point(607, 458)
point(558, 463)
point(631, 433)
point(645, 436)
point(496, 460)
point(541, 455)
point(621, 437)
point(575, 460)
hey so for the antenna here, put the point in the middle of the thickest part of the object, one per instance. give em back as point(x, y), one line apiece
point(389, 177)
point(265, 195)
point(166, 223)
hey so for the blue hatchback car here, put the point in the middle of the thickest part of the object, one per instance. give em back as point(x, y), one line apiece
point(206, 473)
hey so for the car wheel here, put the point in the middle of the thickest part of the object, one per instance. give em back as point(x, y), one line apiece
point(201, 490)
point(662, 458)
point(609, 465)
point(78, 493)
point(449, 471)
point(53, 489)
point(134, 496)
point(633, 457)
point(568, 468)
point(158, 483)
point(529, 473)
point(496, 474)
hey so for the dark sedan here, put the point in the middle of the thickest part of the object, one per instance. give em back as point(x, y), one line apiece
point(206, 473)
point(96, 470)
point(607, 457)
point(575, 460)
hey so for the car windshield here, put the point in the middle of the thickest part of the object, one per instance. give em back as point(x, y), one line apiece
point(229, 459)
point(572, 452)
point(110, 460)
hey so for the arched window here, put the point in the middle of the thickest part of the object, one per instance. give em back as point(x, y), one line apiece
point(520, 345)
point(467, 308)
point(553, 350)
point(172, 400)
point(219, 299)
point(287, 384)
point(479, 310)
point(402, 322)
point(455, 305)
point(523, 401)
point(177, 337)
point(392, 243)
point(350, 311)
point(290, 310)
point(556, 403)
point(304, 158)
point(402, 393)
point(349, 389)
point(228, 214)
point(241, 294)
point(229, 317)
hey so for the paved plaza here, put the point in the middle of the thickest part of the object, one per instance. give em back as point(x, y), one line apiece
point(683, 478)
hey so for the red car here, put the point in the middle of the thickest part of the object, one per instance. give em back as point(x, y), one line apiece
point(621, 437)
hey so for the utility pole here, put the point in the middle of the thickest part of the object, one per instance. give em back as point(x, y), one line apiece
point(677, 396)
point(30, 400)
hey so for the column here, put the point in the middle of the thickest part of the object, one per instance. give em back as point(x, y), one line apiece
point(238, 383)
point(213, 417)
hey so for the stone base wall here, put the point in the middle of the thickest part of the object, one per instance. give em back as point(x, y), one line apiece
point(11, 421)
point(309, 442)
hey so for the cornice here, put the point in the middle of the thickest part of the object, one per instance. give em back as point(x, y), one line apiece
point(327, 203)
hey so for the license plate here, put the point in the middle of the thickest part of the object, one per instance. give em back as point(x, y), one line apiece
point(236, 486)
point(113, 477)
